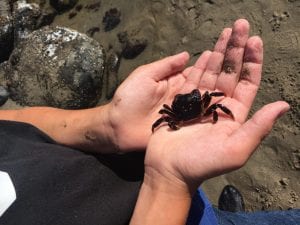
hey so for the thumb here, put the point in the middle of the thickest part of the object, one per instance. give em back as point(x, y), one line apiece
point(165, 67)
point(250, 134)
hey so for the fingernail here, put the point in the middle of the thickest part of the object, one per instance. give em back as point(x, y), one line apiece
point(183, 53)
point(284, 110)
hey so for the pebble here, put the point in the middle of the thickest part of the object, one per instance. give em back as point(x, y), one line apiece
point(112, 79)
point(111, 19)
point(63, 5)
point(3, 95)
point(132, 46)
point(284, 181)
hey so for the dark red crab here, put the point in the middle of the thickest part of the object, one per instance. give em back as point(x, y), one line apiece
point(190, 106)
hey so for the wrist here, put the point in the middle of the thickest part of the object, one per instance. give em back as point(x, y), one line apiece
point(161, 201)
point(162, 164)
point(100, 136)
point(91, 130)
point(167, 182)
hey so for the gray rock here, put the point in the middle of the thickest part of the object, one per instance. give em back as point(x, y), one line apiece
point(17, 20)
point(6, 30)
point(5, 8)
point(25, 19)
point(3, 95)
point(56, 67)
point(112, 78)
point(3, 67)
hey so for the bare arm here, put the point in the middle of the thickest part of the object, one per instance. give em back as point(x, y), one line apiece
point(161, 201)
point(87, 129)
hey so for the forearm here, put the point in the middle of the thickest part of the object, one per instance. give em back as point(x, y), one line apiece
point(161, 202)
point(87, 129)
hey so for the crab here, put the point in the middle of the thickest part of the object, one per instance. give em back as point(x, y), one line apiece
point(186, 107)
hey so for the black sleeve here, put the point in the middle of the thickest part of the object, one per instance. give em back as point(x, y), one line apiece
point(58, 185)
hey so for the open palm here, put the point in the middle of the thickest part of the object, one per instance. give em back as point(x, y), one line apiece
point(234, 67)
point(202, 149)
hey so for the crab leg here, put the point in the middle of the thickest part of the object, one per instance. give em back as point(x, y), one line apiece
point(217, 94)
point(207, 97)
point(212, 110)
point(157, 123)
point(164, 111)
point(225, 110)
point(171, 123)
point(206, 100)
point(167, 107)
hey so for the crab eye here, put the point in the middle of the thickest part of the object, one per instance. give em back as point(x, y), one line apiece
point(196, 93)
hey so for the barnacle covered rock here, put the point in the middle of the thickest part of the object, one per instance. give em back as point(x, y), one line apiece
point(17, 20)
point(56, 67)
point(3, 95)
point(6, 30)
point(25, 19)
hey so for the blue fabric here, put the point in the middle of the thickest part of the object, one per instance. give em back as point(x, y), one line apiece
point(201, 211)
point(286, 217)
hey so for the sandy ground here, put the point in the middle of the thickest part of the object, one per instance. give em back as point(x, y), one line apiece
point(271, 179)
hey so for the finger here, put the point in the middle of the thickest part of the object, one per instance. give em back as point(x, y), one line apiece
point(193, 78)
point(248, 84)
point(243, 141)
point(215, 62)
point(233, 60)
point(165, 67)
point(187, 71)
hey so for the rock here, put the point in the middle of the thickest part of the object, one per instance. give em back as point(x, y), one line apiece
point(3, 67)
point(47, 16)
point(63, 5)
point(284, 181)
point(111, 19)
point(25, 18)
point(56, 67)
point(17, 20)
point(112, 79)
point(132, 46)
point(210, 2)
point(93, 7)
point(90, 32)
point(48, 13)
point(6, 30)
point(3, 95)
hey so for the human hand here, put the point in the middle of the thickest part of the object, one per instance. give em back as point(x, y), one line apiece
point(136, 102)
point(202, 149)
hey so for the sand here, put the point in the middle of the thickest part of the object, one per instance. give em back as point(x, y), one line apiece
point(271, 178)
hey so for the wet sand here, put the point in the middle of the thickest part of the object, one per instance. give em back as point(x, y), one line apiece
point(271, 179)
